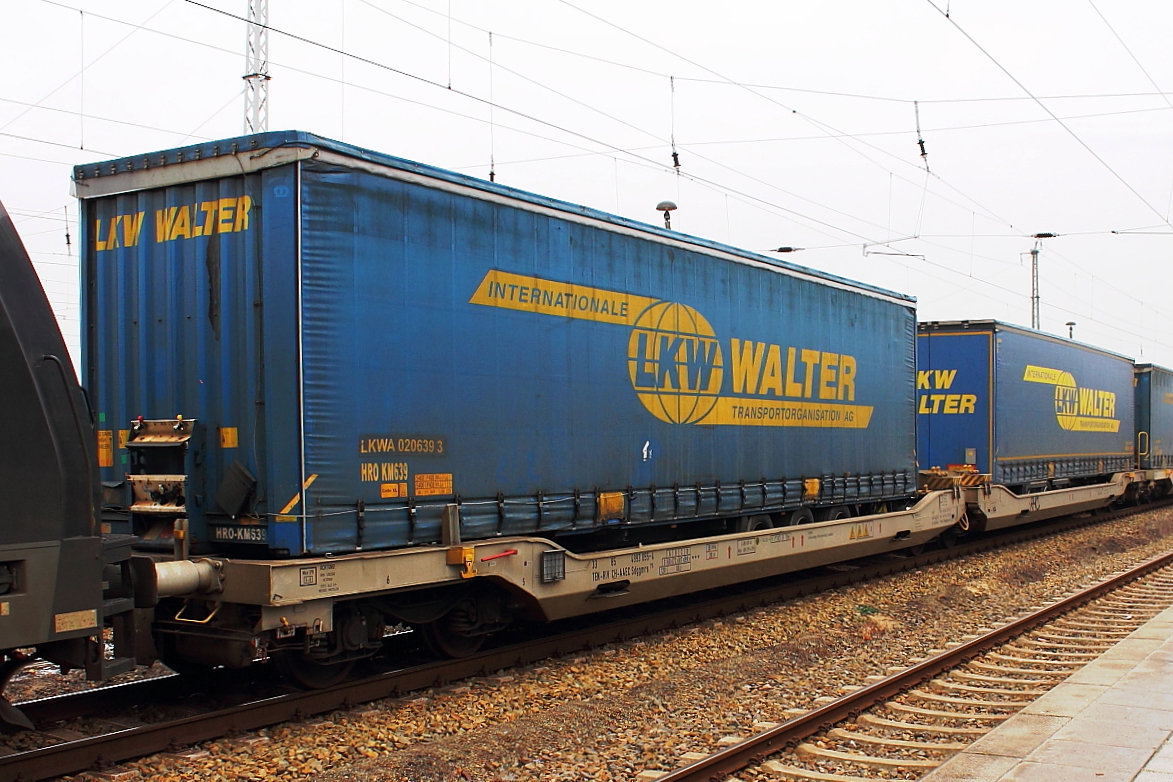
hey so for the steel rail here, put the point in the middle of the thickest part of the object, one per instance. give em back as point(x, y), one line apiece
point(103, 750)
point(720, 765)
point(745, 596)
point(56, 708)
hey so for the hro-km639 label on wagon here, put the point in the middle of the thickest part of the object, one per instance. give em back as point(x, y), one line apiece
point(244, 534)
point(395, 477)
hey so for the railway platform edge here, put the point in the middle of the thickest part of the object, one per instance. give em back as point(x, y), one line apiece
point(1111, 721)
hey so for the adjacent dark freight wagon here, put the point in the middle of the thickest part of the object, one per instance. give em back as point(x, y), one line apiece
point(348, 343)
point(53, 559)
point(1028, 408)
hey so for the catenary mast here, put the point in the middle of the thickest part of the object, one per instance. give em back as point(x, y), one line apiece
point(256, 99)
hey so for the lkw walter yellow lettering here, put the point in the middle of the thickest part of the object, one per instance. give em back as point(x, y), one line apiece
point(948, 404)
point(188, 221)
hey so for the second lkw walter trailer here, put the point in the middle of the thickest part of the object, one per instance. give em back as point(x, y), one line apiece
point(1037, 425)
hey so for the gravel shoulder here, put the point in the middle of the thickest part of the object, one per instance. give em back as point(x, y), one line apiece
point(641, 705)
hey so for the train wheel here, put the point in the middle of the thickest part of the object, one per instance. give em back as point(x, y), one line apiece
point(310, 674)
point(169, 656)
point(446, 641)
point(754, 523)
point(836, 513)
point(800, 516)
point(12, 718)
point(948, 538)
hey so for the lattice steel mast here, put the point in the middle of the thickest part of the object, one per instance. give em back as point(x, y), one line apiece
point(256, 66)
point(1035, 314)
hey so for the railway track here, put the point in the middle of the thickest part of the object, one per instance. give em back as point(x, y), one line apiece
point(139, 719)
point(906, 724)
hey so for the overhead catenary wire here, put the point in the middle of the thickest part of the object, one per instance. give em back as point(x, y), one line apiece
point(1135, 59)
point(37, 159)
point(638, 159)
point(507, 109)
point(1095, 277)
point(1152, 339)
point(184, 136)
point(583, 150)
point(1147, 75)
point(90, 64)
point(318, 75)
point(21, 215)
point(830, 130)
point(1051, 114)
point(492, 136)
point(605, 144)
point(632, 161)
point(724, 81)
point(744, 196)
point(98, 117)
point(54, 230)
point(672, 113)
point(416, 77)
point(514, 72)
point(836, 134)
point(925, 157)
point(895, 99)
point(919, 137)
point(232, 99)
point(822, 127)
point(938, 129)
point(821, 137)
point(52, 143)
point(787, 88)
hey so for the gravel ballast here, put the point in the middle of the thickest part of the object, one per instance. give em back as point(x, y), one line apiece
point(642, 705)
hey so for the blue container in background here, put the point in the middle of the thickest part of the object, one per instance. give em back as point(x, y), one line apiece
point(1028, 408)
point(1154, 416)
point(370, 340)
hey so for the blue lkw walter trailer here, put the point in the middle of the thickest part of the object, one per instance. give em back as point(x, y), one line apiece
point(356, 342)
point(1154, 416)
point(1028, 408)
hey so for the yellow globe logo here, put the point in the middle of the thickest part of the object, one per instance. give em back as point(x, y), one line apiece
point(674, 363)
point(1066, 401)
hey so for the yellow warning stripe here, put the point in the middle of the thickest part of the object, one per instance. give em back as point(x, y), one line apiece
point(947, 481)
point(289, 506)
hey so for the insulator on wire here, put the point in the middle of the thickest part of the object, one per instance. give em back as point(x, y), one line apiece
point(920, 141)
point(672, 117)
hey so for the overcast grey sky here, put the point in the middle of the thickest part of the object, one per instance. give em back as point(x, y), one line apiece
point(795, 124)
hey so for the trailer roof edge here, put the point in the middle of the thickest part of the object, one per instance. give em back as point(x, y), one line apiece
point(248, 154)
